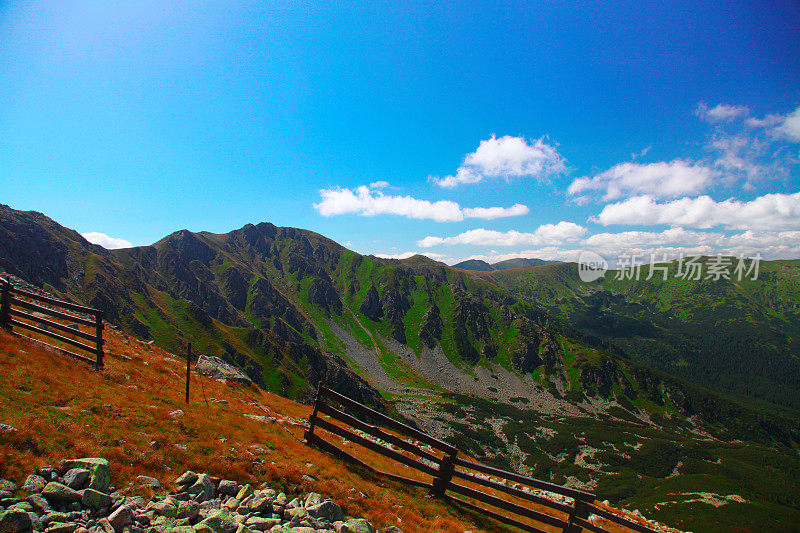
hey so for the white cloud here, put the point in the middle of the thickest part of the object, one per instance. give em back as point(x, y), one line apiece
point(366, 202)
point(766, 122)
point(546, 234)
point(670, 243)
point(509, 157)
point(791, 126)
point(722, 112)
point(660, 179)
point(379, 184)
point(110, 243)
point(406, 255)
point(489, 213)
point(740, 154)
point(771, 212)
point(630, 239)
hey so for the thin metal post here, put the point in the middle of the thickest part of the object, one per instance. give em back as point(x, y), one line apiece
point(188, 369)
point(99, 332)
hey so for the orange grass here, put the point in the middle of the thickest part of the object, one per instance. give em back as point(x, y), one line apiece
point(63, 409)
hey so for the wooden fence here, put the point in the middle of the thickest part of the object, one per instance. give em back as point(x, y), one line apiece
point(40, 314)
point(516, 500)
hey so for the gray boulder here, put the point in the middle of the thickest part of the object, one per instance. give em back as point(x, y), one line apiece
point(76, 478)
point(147, 481)
point(355, 525)
point(14, 521)
point(99, 471)
point(216, 368)
point(61, 527)
point(120, 518)
point(39, 504)
point(202, 489)
point(186, 479)
point(228, 488)
point(34, 484)
point(327, 511)
point(56, 493)
point(222, 521)
point(94, 499)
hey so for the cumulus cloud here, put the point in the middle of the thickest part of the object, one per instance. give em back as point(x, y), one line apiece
point(766, 122)
point(489, 213)
point(742, 155)
point(110, 243)
point(508, 157)
point(379, 184)
point(790, 127)
point(674, 242)
point(546, 234)
point(722, 112)
point(406, 255)
point(662, 179)
point(632, 239)
point(771, 212)
point(664, 245)
point(366, 202)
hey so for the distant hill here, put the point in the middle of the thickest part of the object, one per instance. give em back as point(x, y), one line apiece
point(521, 262)
point(478, 265)
point(474, 264)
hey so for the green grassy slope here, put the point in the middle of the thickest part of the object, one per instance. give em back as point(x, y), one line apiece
point(742, 338)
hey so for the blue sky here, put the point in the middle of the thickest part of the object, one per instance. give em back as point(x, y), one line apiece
point(617, 126)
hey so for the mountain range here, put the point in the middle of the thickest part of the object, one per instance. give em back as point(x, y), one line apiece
point(645, 393)
point(479, 265)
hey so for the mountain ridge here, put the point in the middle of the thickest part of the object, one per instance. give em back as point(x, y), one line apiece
point(478, 265)
point(450, 350)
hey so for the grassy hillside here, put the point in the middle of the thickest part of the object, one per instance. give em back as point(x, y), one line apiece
point(742, 338)
point(126, 418)
point(542, 390)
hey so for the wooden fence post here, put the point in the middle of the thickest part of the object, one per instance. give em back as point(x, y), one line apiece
point(188, 369)
point(444, 475)
point(313, 418)
point(5, 305)
point(579, 511)
point(98, 327)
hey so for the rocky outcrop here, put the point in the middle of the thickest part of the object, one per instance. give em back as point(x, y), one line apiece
point(431, 331)
point(201, 504)
point(323, 293)
point(470, 326)
point(216, 368)
point(371, 306)
point(599, 380)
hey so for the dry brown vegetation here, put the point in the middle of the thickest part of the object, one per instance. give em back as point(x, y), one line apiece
point(62, 408)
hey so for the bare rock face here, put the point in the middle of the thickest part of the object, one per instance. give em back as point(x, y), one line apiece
point(371, 307)
point(432, 326)
point(216, 368)
point(324, 294)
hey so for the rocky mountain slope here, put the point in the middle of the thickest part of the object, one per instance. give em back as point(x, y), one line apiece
point(135, 417)
point(449, 349)
point(740, 337)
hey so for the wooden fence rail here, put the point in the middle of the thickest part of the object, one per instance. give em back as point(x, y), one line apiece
point(38, 313)
point(514, 499)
